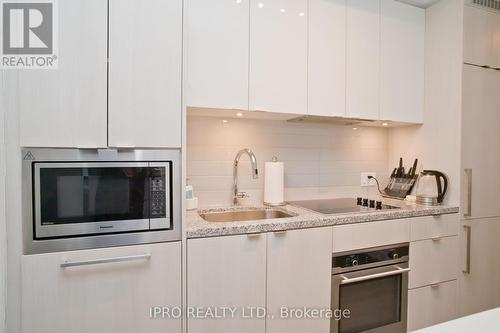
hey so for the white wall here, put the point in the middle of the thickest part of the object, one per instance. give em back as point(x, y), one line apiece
point(321, 160)
point(437, 142)
point(3, 245)
point(13, 203)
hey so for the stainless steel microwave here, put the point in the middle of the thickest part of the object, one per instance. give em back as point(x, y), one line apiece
point(88, 198)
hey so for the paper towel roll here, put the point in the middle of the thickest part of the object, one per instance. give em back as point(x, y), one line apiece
point(274, 183)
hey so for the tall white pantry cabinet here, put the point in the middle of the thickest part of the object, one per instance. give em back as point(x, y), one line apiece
point(118, 88)
point(480, 281)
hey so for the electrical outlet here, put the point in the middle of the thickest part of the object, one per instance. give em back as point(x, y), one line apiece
point(368, 182)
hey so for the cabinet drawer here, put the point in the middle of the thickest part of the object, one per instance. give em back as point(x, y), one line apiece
point(365, 235)
point(87, 291)
point(433, 261)
point(434, 226)
point(432, 305)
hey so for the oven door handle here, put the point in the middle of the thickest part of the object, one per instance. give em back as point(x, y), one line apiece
point(398, 270)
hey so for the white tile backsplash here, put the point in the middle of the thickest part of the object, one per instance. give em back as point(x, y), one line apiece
point(321, 160)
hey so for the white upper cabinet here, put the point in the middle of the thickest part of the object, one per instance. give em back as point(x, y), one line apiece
point(66, 107)
point(363, 59)
point(145, 56)
point(217, 53)
point(481, 37)
point(402, 62)
point(278, 56)
point(327, 58)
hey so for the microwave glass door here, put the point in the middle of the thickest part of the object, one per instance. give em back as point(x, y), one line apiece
point(80, 195)
point(373, 303)
point(92, 198)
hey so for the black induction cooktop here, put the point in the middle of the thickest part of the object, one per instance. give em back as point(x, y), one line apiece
point(343, 205)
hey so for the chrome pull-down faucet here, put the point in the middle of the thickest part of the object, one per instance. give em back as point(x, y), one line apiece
point(255, 173)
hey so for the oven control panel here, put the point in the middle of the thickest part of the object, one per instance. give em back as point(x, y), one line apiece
point(369, 257)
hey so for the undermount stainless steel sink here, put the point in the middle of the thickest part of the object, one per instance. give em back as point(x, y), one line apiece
point(245, 215)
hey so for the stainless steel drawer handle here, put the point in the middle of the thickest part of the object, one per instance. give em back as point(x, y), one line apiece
point(397, 271)
point(66, 264)
point(468, 173)
point(468, 229)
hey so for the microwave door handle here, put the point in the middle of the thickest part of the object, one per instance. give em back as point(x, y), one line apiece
point(398, 270)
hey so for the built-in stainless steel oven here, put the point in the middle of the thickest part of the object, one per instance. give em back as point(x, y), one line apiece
point(372, 285)
point(84, 198)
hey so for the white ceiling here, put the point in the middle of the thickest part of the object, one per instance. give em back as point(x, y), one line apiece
point(420, 3)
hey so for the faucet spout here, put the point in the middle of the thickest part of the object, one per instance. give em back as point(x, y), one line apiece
point(255, 173)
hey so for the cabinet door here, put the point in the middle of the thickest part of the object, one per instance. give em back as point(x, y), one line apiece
point(348, 237)
point(481, 30)
point(480, 288)
point(66, 107)
point(481, 141)
point(363, 59)
point(227, 272)
point(101, 298)
point(217, 53)
point(298, 276)
point(442, 267)
point(432, 305)
point(402, 62)
point(278, 56)
point(326, 60)
point(145, 52)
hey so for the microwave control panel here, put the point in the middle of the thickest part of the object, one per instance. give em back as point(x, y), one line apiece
point(158, 192)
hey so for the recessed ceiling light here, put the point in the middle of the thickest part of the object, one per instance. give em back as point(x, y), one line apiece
point(354, 128)
point(224, 121)
point(385, 124)
point(239, 114)
point(282, 10)
point(301, 14)
point(260, 5)
point(238, 1)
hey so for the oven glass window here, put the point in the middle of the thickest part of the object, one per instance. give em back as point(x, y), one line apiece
point(79, 195)
point(373, 303)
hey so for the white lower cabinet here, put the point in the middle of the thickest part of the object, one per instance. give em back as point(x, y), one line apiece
point(226, 272)
point(114, 296)
point(433, 261)
point(298, 276)
point(433, 283)
point(433, 227)
point(431, 305)
point(355, 236)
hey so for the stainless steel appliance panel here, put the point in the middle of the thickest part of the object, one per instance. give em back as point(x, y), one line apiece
point(373, 285)
point(161, 220)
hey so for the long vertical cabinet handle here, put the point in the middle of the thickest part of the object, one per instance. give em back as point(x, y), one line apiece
point(468, 173)
point(468, 230)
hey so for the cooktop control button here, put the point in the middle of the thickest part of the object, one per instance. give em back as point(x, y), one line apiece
point(372, 203)
point(365, 202)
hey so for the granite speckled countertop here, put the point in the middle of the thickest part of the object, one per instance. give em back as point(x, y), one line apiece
point(199, 228)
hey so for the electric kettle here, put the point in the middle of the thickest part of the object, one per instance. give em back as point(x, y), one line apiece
point(431, 187)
